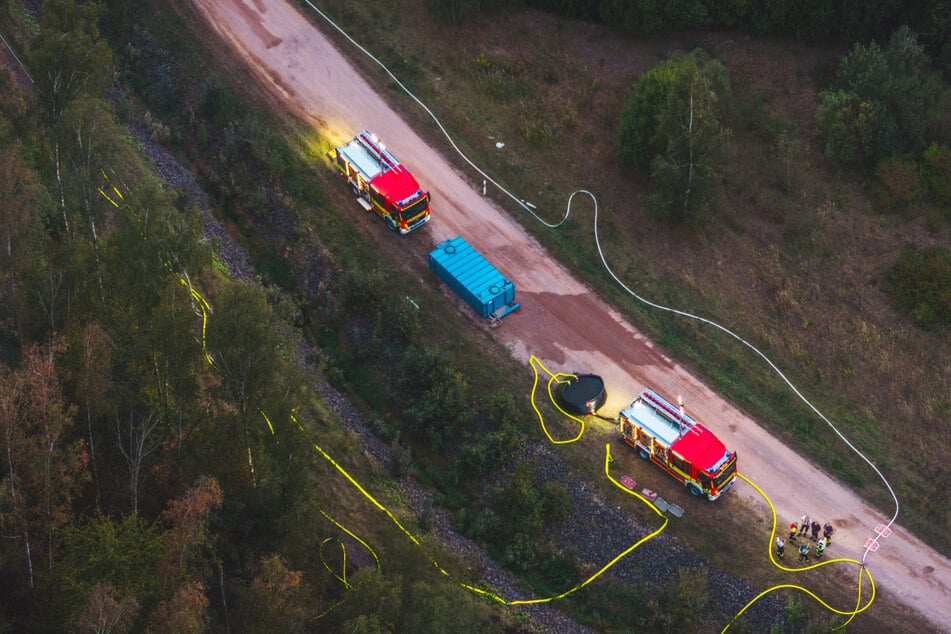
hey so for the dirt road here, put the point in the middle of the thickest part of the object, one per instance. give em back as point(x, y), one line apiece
point(561, 321)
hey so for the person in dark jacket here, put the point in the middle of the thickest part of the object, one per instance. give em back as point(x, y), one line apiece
point(816, 526)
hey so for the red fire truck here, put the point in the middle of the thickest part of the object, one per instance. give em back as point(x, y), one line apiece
point(381, 183)
point(663, 433)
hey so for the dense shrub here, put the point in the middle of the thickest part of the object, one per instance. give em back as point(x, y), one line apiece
point(438, 394)
point(899, 186)
point(920, 284)
point(857, 132)
point(936, 174)
point(887, 102)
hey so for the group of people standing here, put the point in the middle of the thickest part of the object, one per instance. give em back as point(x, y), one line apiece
point(803, 529)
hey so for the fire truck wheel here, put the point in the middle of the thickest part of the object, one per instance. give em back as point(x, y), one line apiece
point(391, 224)
point(694, 491)
point(643, 453)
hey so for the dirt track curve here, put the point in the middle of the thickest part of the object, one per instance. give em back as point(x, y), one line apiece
point(561, 321)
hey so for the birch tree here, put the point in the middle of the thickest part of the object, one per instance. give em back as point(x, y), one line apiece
point(69, 59)
point(246, 348)
point(69, 56)
point(672, 124)
point(42, 471)
point(22, 200)
point(686, 171)
point(136, 441)
point(107, 612)
point(94, 384)
point(188, 519)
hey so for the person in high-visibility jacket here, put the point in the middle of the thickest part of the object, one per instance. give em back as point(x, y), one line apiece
point(820, 547)
point(780, 548)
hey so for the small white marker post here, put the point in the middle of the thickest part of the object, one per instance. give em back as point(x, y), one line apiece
point(483, 188)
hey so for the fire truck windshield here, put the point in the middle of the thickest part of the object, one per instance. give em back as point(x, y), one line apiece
point(410, 211)
point(726, 475)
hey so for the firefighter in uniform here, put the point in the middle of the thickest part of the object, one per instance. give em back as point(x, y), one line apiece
point(780, 548)
point(815, 530)
point(804, 553)
point(804, 526)
point(827, 533)
point(792, 531)
point(820, 547)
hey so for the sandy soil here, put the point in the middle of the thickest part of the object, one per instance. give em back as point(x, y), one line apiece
point(561, 321)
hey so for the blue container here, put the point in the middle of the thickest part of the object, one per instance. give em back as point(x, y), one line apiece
point(473, 277)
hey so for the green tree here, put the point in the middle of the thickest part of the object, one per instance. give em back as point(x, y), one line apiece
point(443, 608)
point(244, 344)
point(938, 35)
point(374, 601)
point(439, 394)
point(70, 60)
point(69, 57)
point(172, 351)
point(672, 123)
point(914, 93)
point(87, 140)
point(154, 320)
point(857, 132)
point(889, 101)
point(123, 554)
point(642, 17)
point(639, 122)
point(489, 442)
point(246, 348)
point(519, 510)
point(864, 70)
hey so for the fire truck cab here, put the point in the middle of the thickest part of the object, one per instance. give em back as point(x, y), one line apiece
point(667, 436)
point(381, 183)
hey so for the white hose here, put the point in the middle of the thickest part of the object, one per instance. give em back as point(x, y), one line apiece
point(529, 208)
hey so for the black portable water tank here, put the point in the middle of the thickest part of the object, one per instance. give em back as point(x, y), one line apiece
point(582, 394)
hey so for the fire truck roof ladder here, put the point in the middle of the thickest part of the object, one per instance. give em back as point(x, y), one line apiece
point(672, 410)
point(369, 140)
